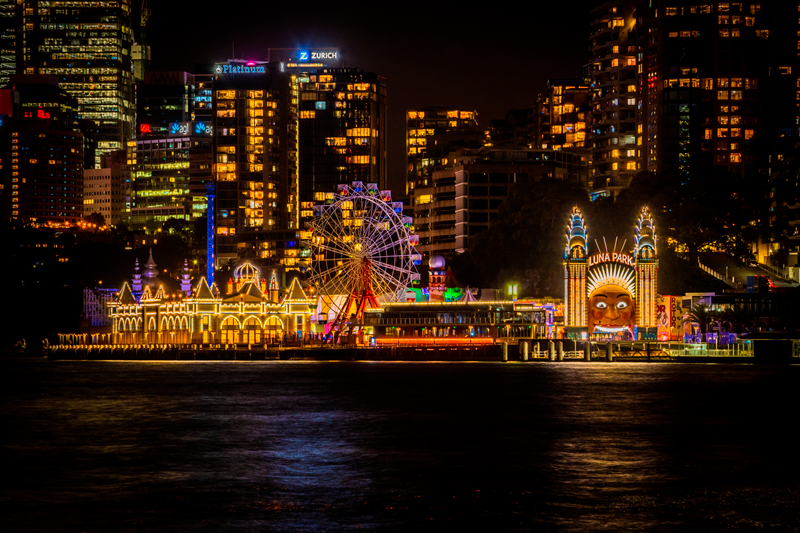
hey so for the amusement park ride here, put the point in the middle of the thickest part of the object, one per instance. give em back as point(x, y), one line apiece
point(362, 250)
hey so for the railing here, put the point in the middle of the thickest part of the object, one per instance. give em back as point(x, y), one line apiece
point(703, 350)
point(778, 273)
point(710, 271)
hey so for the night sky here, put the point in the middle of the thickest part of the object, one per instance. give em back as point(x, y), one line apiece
point(493, 60)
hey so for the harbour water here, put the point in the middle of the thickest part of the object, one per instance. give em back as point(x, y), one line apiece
point(312, 446)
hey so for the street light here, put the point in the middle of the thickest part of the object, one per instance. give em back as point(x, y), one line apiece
point(512, 291)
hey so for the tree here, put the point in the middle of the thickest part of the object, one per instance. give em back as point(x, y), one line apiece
point(703, 316)
point(708, 208)
point(151, 226)
point(525, 244)
point(95, 218)
point(178, 227)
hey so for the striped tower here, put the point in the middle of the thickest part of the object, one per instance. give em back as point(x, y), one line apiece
point(646, 258)
point(575, 264)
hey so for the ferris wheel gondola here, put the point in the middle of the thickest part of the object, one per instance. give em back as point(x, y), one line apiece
point(362, 250)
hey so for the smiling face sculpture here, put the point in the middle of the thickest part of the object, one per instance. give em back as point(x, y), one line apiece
point(611, 298)
point(610, 307)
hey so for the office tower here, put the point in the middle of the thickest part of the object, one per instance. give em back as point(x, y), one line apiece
point(255, 168)
point(8, 41)
point(41, 153)
point(88, 46)
point(614, 49)
point(169, 174)
point(163, 99)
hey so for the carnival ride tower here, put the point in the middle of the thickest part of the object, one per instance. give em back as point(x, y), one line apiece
point(646, 257)
point(436, 273)
point(575, 265)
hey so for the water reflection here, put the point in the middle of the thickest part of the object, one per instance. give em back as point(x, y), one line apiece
point(398, 447)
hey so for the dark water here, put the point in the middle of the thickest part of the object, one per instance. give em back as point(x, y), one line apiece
point(97, 446)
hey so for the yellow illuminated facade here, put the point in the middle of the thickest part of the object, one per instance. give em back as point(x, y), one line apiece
point(565, 114)
point(255, 163)
point(430, 134)
point(611, 295)
point(252, 312)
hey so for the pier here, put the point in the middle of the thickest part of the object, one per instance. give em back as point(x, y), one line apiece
point(535, 351)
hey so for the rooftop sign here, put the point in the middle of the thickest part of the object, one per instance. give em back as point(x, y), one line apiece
point(239, 69)
point(305, 55)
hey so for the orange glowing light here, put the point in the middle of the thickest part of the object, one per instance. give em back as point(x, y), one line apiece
point(434, 340)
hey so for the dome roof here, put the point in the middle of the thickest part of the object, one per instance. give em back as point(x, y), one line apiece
point(646, 240)
point(436, 262)
point(577, 240)
point(247, 272)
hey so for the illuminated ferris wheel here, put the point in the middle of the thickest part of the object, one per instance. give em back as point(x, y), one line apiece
point(362, 250)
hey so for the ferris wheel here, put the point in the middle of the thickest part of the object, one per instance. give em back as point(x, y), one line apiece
point(362, 250)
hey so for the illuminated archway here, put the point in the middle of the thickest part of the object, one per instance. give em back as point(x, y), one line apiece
point(251, 333)
point(273, 329)
point(230, 331)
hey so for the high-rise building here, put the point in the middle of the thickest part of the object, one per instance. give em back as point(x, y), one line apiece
point(41, 172)
point(432, 133)
point(203, 109)
point(164, 183)
point(163, 99)
point(341, 132)
point(8, 41)
point(437, 138)
point(614, 48)
point(286, 132)
point(255, 163)
point(483, 182)
point(699, 84)
point(88, 46)
point(565, 114)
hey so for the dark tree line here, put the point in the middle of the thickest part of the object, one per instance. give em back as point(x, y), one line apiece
point(709, 210)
